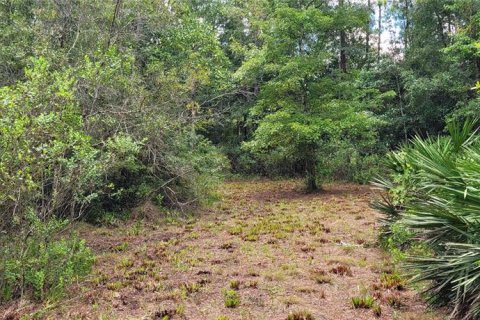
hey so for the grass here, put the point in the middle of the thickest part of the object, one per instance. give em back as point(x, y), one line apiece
point(367, 302)
point(292, 300)
point(300, 315)
point(235, 284)
point(377, 310)
point(392, 281)
point(231, 298)
point(363, 302)
point(190, 288)
point(320, 276)
point(342, 270)
point(296, 255)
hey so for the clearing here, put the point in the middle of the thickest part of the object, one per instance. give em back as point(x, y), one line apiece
point(266, 248)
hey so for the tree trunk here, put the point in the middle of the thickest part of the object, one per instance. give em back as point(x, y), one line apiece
point(406, 13)
point(311, 178)
point(343, 44)
point(112, 24)
point(367, 36)
point(379, 44)
point(311, 170)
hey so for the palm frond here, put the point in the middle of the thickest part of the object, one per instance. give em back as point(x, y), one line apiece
point(443, 209)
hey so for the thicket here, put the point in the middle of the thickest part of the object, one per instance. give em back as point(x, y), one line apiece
point(94, 121)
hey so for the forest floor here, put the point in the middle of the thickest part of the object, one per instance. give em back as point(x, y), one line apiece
point(266, 247)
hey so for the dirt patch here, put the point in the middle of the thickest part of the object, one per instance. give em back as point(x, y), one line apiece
point(267, 250)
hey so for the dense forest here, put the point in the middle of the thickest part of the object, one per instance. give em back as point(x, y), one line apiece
point(108, 105)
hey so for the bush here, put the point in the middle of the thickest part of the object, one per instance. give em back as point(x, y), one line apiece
point(436, 196)
point(36, 264)
point(150, 150)
point(47, 163)
point(343, 161)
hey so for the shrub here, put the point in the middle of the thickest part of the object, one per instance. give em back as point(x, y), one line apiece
point(348, 161)
point(47, 163)
point(441, 210)
point(36, 264)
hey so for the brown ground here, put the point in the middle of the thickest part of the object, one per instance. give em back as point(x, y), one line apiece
point(281, 250)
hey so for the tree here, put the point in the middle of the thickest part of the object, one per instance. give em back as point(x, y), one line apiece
point(301, 109)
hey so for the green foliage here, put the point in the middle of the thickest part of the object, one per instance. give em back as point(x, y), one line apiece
point(301, 113)
point(47, 162)
point(99, 122)
point(37, 263)
point(443, 215)
point(105, 105)
point(231, 298)
point(363, 302)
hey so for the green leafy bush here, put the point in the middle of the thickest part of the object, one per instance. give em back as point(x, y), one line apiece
point(47, 163)
point(155, 152)
point(438, 200)
point(36, 263)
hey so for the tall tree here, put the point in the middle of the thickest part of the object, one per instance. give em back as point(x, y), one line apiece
point(343, 42)
point(301, 108)
point(367, 32)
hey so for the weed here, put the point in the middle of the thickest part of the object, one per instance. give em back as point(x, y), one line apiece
point(180, 310)
point(165, 314)
point(275, 275)
point(320, 276)
point(377, 310)
point(184, 259)
point(136, 228)
point(363, 302)
point(394, 300)
point(235, 284)
point(191, 287)
point(253, 273)
point(323, 279)
point(348, 248)
point(193, 235)
point(231, 298)
point(307, 248)
point(300, 315)
point(235, 230)
point(392, 280)
point(342, 270)
point(306, 289)
point(251, 237)
point(227, 246)
point(291, 300)
point(121, 247)
point(100, 279)
point(126, 263)
point(116, 285)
